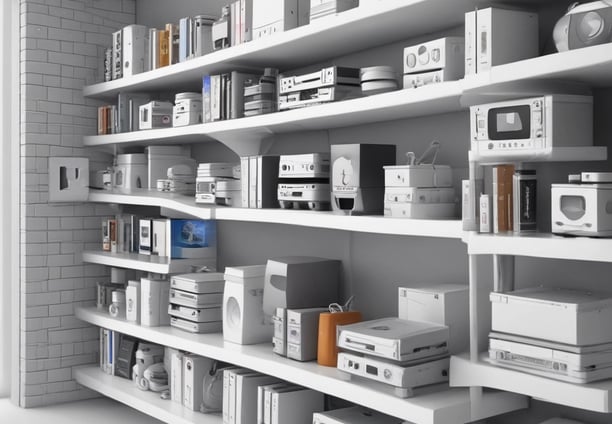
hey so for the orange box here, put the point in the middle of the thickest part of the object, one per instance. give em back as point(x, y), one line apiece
point(327, 351)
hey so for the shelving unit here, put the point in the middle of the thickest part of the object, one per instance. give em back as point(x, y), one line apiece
point(444, 406)
point(594, 396)
point(125, 391)
point(328, 220)
point(150, 263)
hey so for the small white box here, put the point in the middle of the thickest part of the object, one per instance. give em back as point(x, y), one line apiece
point(445, 304)
point(132, 301)
point(155, 114)
point(194, 369)
point(158, 241)
point(154, 295)
point(246, 396)
point(418, 176)
point(176, 376)
point(573, 317)
point(419, 210)
point(303, 333)
point(295, 406)
point(130, 171)
point(581, 209)
point(272, 16)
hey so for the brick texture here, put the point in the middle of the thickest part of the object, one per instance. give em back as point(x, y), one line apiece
point(62, 50)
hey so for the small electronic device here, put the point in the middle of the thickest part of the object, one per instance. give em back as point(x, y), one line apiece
point(531, 127)
point(378, 79)
point(353, 415)
point(563, 315)
point(494, 36)
point(130, 171)
point(302, 333)
point(395, 339)
point(404, 378)
point(132, 301)
point(208, 314)
point(358, 179)
point(300, 282)
point(524, 193)
point(584, 25)
point(126, 357)
point(321, 8)
point(195, 300)
point(313, 196)
point(154, 302)
point(584, 208)
point(117, 307)
point(244, 321)
point(310, 165)
point(135, 45)
point(202, 41)
point(444, 304)
point(434, 61)
point(552, 360)
point(155, 114)
point(201, 282)
point(260, 93)
point(271, 17)
point(196, 327)
point(194, 369)
point(279, 341)
point(187, 109)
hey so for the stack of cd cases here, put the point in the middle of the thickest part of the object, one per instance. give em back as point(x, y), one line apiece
point(196, 302)
point(260, 95)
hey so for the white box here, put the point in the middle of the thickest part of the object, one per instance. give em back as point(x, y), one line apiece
point(353, 415)
point(419, 210)
point(176, 376)
point(135, 49)
point(130, 171)
point(573, 317)
point(246, 396)
point(418, 176)
point(445, 304)
point(262, 416)
point(272, 16)
point(233, 375)
point(303, 333)
point(155, 114)
point(495, 36)
point(158, 241)
point(154, 295)
point(144, 240)
point(296, 406)
point(194, 369)
point(132, 301)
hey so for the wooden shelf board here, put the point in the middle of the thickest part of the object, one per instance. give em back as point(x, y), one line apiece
point(541, 245)
point(313, 219)
point(594, 396)
point(440, 407)
point(147, 402)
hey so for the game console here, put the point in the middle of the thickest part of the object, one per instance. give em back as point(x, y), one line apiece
point(196, 327)
point(435, 61)
point(494, 36)
point(583, 209)
point(244, 321)
point(353, 415)
point(130, 171)
point(117, 55)
point(208, 314)
point(532, 126)
point(395, 339)
point(202, 41)
point(584, 25)
point(201, 282)
point(552, 360)
point(195, 300)
point(358, 179)
point(404, 378)
point(444, 304)
point(313, 196)
point(321, 8)
point(300, 282)
point(309, 165)
point(573, 317)
point(155, 114)
point(302, 327)
point(187, 109)
point(135, 47)
point(194, 369)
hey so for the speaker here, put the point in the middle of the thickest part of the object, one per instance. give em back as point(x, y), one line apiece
point(297, 282)
point(243, 318)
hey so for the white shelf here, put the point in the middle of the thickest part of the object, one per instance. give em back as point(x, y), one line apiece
point(448, 406)
point(378, 23)
point(559, 154)
point(313, 219)
point(148, 402)
point(426, 100)
point(541, 245)
point(593, 396)
point(150, 263)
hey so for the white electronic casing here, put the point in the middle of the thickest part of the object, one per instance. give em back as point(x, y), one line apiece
point(295, 406)
point(353, 415)
point(419, 210)
point(444, 304)
point(154, 302)
point(495, 36)
point(194, 369)
point(272, 16)
point(131, 171)
point(581, 209)
point(572, 317)
point(445, 54)
point(155, 114)
point(135, 49)
point(418, 176)
point(303, 333)
point(176, 376)
point(132, 301)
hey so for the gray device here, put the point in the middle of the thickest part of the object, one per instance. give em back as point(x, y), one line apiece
point(300, 282)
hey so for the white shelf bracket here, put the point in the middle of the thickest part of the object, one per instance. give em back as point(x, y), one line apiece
point(247, 143)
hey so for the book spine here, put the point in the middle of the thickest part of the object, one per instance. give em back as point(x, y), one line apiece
point(164, 48)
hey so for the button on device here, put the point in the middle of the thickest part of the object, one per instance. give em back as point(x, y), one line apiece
point(411, 60)
point(387, 373)
point(490, 146)
point(423, 55)
point(435, 55)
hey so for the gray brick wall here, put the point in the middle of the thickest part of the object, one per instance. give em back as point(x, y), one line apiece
point(62, 45)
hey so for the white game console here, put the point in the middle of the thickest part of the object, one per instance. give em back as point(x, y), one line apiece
point(213, 313)
point(187, 109)
point(201, 282)
point(434, 61)
point(135, 48)
point(155, 114)
point(195, 300)
point(573, 317)
point(154, 302)
point(404, 378)
point(582, 209)
point(395, 339)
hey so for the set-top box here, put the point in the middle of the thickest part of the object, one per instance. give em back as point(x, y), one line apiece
point(326, 77)
point(435, 61)
point(531, 126)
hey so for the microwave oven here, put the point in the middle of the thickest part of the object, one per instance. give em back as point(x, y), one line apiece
point(531, 127)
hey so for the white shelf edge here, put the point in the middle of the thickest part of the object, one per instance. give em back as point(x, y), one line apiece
point(151, 263)
point(450, 228)
point(449, 406)
point(148, 402)
point(540, 245)
point(594, 396)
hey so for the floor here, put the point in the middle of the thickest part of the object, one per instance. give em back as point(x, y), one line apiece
point(95, 411)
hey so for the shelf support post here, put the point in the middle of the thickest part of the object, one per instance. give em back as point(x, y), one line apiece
point(503, 273)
